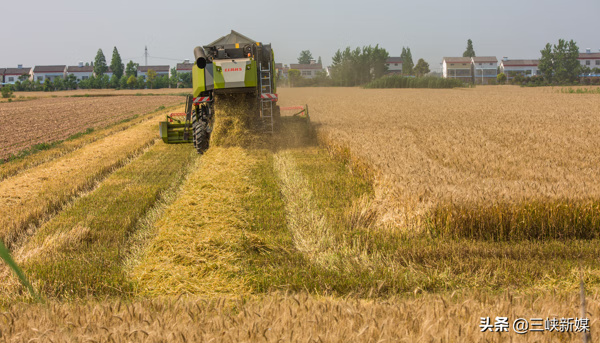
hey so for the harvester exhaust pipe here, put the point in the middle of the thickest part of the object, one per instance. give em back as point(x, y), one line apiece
point(200, 57)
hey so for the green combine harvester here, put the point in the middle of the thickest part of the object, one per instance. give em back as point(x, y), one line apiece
point(232, 64)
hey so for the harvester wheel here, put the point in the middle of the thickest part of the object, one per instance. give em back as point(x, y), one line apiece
point(200, 125)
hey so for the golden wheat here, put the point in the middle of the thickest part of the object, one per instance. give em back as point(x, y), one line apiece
point(502, 153)
point(293, 318)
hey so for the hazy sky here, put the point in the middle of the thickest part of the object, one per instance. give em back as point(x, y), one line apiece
point(67, 31)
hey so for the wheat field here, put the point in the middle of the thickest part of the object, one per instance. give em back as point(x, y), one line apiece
point(493, 162)
point(393, 215)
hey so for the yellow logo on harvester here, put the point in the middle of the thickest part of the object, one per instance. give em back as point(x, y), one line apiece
point(232, 69)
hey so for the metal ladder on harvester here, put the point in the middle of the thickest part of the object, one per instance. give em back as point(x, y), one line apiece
point(266, 102)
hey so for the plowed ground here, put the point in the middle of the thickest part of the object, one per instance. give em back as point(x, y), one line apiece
point(24, 124)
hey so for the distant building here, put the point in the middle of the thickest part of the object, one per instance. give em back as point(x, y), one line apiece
point(394, 65)
point(12, 75)
point(308, 71)
point(185, 67)
point(160, 70)
point(80, 71)
point(457, 68)
point(486, 69)
point(43, 73)
point(511, 68)
point(590, 59)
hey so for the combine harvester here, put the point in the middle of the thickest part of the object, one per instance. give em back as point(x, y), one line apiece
point(233, 64)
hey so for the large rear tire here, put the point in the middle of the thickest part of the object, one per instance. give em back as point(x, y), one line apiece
point(201, 126)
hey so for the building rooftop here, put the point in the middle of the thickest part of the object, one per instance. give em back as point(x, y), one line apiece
point(394, 60)
point(158, 69)
point(16, 71)
point(457, 59)
point(520, 63)
point(589, 55)
point(49, 69)
point(306, 66)
point(78, 69)
point(485, 59)
point(184, 66)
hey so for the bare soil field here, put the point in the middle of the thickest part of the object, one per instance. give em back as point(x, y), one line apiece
point(24, 124)
point(490, 156)
point(103, 92)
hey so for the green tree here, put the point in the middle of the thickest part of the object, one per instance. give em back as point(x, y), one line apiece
point(559, 63)
point(186, 80)
point(57, 84)
point(116, 64)
point(114, 81)
point(320, 61)
point(100, 64)
point(470, 52)
point(546, 63)
point(422, 67)
point(123, 82)
point(131, 69)
point(7, 92)
point(151, 78)
point(87, 64)
point(132, 82)
point(305, 57)
point(71, 82)
point(501, 78)
point(294, 76)
point(174, 79)
point(104, 82)
point(141, 82)
point(359, 66)
point(407, 63)
point(24, 77)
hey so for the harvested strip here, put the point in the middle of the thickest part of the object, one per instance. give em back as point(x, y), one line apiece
point(78, 252)
point(318, 234)
point(75, 142)
point(305, 220)
point(198, 243)
point(43, 190)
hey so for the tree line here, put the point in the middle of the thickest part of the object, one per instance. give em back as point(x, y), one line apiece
point(124, 77)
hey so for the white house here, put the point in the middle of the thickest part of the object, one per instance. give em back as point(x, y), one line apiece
point(486, 69)
point(11, 75)
point(80, 71)
point(457, 68)
point(394, 65)
point(42, 73)
point(590, 59)
point(185, 67)
point(308, 71)
point(160, 70)
point(511, 68)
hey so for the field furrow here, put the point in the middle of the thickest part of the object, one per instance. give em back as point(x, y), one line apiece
point(31, 196)
point(48, 152)
point(24, 124)
point(80, 251)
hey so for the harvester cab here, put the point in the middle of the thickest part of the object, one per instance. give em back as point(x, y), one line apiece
point(233, 64)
